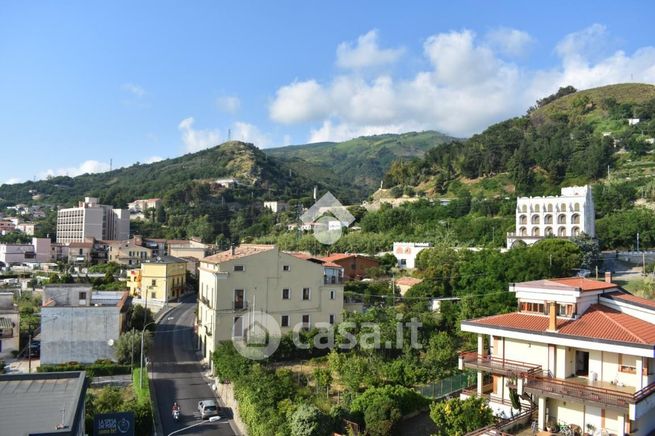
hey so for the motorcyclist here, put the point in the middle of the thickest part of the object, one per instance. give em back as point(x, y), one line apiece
point(176, 407)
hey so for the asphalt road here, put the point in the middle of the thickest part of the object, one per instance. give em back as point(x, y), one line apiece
point(178, 376)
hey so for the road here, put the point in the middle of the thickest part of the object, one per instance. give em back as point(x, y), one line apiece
point(178, 376)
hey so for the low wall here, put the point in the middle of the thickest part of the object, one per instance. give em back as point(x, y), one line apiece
point(225, 392)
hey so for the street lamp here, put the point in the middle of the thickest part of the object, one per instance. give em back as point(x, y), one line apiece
point(141, 357)
point(212, 419)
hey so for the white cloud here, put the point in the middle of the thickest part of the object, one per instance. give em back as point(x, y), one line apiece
point(366, 53)
point(510, 42)
point(196, 140)
point(228, 104)
point(134, 89)
point(86, 167)
point(249, 133)
point(467, 87)
point(153, 159)
point(12, 181)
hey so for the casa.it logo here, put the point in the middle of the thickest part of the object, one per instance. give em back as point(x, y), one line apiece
point(256, 335)
point(327, 217)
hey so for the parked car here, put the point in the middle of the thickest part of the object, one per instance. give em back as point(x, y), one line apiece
point(207, 408)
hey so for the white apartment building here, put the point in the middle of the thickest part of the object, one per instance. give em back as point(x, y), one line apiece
point(295, 289)
point(92, 220)
point(406, 253)
point(9, 325)
point(579, 352)
point(138, 207)
point(565, 216)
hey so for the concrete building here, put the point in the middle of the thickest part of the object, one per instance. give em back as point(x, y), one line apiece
point(27, 228)
point(275, 206)
point(80, 252)
point(406, 253)
point(190, 248)
point(9, 325)
point(16, 254)
point(296, 289)
point(161, 279)
point(78, 324)
point(579, 351)
point(567, 215)
point(43, 404)
point(42, 250)
point(355, 266)
point(92, 220)
point(128, 252)
point(7, 226)
point(138, 208)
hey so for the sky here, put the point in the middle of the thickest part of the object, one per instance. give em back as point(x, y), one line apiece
point(83, 84)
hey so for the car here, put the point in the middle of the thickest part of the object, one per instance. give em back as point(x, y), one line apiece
point(207, 408)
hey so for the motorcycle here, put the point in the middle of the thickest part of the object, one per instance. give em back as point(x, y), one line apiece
point(176, 414)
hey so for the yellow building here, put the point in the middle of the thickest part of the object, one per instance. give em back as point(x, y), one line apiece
point(161, 278)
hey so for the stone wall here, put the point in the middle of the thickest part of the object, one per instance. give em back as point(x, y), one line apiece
point(225, 392)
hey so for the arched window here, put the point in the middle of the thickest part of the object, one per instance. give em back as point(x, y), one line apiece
point(536, 208)
point(575, 219)
point(561, 219)
point(576, 207)
point(523, 231)
point(562, 207)
point(550, 208)
point(548, 219)
point(549, 231)
point(535, 219)
point(561, 231)
point(524, 209)
point(535, 231)
point(523, 219)
point(575, 231)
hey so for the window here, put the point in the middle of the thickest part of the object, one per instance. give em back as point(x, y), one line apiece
point(286, 294)
point(305, 321)
point(286, 268)
point(237, 328)
point(239, 299)
point(535, 219)
point(627, 364)
point(306, 294)
point(82, 295)
point(332, 319)
point(565, 310)
point(153, 294)
point(153, 282)
point(532, 307)
point(284, 321)
point(333, 295)
point(239, 268)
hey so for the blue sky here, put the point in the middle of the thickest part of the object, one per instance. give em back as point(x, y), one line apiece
point(82, 83)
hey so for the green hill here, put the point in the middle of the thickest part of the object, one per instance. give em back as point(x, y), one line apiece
point(359, 163)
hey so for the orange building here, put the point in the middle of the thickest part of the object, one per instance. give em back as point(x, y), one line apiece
point(355, 266)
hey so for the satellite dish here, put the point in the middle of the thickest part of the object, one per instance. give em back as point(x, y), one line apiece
point(110, 342)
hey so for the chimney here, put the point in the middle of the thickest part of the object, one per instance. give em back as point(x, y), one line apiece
point(552, 316)
point(608, 276)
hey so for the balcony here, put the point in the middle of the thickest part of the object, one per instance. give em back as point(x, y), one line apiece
point(496, 365)
point(239, 305)
point(332, 280)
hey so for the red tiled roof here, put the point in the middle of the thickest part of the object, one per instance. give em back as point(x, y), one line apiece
point(584, 284)
point(408, 281)
point(631, 299)
point(338, 256)
point(242, 250)
point(306, 256)
point(81, 245)
point(598, 322)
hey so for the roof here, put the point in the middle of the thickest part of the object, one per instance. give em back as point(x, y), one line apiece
point(624, 297)
point(408, 281)
point(81, 245)
point(585, 285)
point(338, 256)
point(238, 252)
point(598, 322)
point(48, 393)
point(5, 323)
point(308, 257)
point(163, 260)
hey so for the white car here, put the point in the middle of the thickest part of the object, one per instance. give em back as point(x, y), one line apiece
point(207, 408)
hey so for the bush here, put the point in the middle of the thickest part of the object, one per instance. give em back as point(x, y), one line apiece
point(458, 417)
point(92, 369)
point(382, 407)
point(308, 420)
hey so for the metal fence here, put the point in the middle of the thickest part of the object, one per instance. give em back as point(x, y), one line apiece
point(447, 386)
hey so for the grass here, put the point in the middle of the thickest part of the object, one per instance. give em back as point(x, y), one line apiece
point(143, 393)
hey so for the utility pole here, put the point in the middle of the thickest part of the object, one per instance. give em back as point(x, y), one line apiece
point(637, 241)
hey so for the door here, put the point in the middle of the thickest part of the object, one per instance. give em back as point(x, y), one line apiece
point(239, 299)
point(581, 363)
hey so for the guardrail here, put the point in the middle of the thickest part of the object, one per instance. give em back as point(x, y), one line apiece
point(498, 365)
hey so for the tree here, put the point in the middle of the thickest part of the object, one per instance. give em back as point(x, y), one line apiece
point(441, 355)
point(457, 417)
point(308, 420)
point(591, 256)
point(127, 347)
point(140, 316)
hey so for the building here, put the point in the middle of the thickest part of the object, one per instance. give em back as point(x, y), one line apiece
point(187, 248)
point(406, 253)
point(128, 252)
point(633, 121)
point(355, 266)
point(296, 289)
point(9, 325)
point(404, 284)
point(138, 208)
point(43, 404)
point(16, 254)
point(161, 279)
point(275, 206)
point(80, 252)
point(42, 250)
point(27, 228)
point(80, 325)
point(7, 226)
point(227, 182)
point(579, 351)
point(92, 220)
point(565, 216)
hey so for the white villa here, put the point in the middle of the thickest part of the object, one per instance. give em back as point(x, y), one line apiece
point(577, 351)
point(565, 216)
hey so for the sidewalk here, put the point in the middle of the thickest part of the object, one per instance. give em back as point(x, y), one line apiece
point(21, 365)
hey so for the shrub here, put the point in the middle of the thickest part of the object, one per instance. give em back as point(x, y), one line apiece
point(308, 420)
point(458, 417)
point(382, 407)
point(92, 369)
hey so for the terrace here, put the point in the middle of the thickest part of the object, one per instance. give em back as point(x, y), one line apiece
point(496, 365)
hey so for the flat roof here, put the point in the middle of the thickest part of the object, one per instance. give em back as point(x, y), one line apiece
point(32, 404)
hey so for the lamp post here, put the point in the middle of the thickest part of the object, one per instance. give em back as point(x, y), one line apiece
point(141, 356)
point(211, 419)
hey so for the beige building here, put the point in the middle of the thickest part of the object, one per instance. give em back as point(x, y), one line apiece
point(161, 279)
point(295, 289)
point(9, 325)
point(92, 220)
point(578, 352)
point(127, 252)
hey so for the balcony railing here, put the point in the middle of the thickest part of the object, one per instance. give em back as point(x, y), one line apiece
point(239, 305)
point(496, 365)
point(332, 280)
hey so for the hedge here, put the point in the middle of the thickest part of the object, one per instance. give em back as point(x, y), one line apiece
point(92, 369)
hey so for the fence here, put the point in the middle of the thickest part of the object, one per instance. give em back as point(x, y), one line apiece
point(447, 386)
